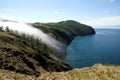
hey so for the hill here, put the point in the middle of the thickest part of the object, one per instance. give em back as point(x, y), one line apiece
point(65, 31)
point(24, 54)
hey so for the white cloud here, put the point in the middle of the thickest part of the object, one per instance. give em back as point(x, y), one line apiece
point(103, 22)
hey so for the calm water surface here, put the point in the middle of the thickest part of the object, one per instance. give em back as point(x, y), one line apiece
point(103, 47)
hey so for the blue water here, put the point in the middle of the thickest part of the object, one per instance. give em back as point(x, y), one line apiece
point(103, 47)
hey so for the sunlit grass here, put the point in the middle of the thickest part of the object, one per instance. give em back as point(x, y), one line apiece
point(6, 34)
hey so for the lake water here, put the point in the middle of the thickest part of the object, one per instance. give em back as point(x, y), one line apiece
point(103, 47)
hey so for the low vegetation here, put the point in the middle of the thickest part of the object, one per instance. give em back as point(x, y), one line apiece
point(96, 72)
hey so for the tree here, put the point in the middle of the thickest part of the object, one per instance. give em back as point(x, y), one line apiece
point(1, 28)
point(7, 29)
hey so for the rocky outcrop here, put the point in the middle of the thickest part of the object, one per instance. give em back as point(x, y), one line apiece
point(17, 60)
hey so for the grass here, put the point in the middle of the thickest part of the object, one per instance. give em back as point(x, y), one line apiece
point(96, 72)
point(6, 34)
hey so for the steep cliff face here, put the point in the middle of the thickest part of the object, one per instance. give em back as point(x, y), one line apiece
point(65, 31)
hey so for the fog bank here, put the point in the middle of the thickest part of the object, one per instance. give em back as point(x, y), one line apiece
point(28, 29)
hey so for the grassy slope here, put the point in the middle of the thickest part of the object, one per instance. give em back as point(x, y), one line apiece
point(27, 56)
point(96, 72)
point(65, 31)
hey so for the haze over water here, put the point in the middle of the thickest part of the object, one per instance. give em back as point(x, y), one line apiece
point(103, 47)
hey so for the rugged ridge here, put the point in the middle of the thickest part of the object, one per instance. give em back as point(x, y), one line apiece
point(23, 55)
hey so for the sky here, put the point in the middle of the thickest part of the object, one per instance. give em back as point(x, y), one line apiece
point(96, 13)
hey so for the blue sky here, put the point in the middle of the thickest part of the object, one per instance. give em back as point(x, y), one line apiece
point(91, 12)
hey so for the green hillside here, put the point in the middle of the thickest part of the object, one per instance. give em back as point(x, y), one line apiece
point(65, 31)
